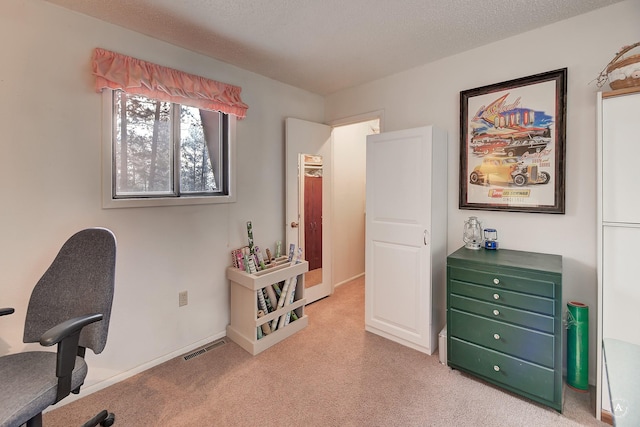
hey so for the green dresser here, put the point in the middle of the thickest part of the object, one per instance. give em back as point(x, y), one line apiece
point(504, 320)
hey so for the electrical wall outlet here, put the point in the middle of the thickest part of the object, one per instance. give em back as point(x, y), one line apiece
point(183, 298)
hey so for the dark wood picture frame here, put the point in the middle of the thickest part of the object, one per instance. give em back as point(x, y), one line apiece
point(512, 145)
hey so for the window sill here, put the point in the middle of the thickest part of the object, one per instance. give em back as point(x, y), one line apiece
point(109, 203)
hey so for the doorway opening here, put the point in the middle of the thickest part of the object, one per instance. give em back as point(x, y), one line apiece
point(349, 185)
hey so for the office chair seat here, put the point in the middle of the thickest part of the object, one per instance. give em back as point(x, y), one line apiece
point(29, 384)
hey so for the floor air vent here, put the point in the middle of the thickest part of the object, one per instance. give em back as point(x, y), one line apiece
point(204, 349)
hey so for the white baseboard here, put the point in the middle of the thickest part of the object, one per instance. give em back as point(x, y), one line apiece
point(348, 280)
point(85, 391)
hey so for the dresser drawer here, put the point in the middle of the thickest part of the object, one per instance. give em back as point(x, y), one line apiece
point(500, 368)
point(500, 278)
point(495, 311)
point(503, 297)
point(527, 344)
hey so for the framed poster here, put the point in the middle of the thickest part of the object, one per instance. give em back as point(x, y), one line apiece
point(512, 144)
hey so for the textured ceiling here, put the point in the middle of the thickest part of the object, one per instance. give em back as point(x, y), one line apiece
point(324, 46)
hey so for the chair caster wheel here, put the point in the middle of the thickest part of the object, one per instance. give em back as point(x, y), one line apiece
point(108, 422)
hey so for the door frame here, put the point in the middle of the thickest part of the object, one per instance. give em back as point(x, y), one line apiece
point(359, 118)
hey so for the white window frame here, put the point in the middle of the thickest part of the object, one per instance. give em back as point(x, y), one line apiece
point(108, 200)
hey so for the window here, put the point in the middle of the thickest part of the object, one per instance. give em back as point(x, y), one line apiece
point(163, 153)
point(168, 136)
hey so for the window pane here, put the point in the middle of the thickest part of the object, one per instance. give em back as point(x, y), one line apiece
point(143, 151)
point(163, 150)
point(199, 150)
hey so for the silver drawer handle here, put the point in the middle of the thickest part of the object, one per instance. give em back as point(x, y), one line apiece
point(496, 336)
point(496, 313)
point(496, 296)
point(496, 368)
point(496, 281)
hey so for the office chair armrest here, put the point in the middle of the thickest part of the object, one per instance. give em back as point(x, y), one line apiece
point(67, 336)
point(67, 328)
point(5, 311)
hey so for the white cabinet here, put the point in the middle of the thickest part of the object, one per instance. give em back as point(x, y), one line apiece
point(620, 158)
point(406, 228)
point(618, 226)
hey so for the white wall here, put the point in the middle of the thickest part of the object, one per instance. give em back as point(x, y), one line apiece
point(430, 95)
point(51, 187)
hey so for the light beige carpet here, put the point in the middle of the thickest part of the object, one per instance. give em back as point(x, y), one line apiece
point(332, 373)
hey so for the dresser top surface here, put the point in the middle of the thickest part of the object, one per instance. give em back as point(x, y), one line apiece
point(510, 258)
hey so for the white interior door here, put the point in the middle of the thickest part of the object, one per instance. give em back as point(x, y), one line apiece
point(303, 137)
point(397, 261)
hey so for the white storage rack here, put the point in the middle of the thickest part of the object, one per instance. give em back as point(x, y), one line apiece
point(244, 306)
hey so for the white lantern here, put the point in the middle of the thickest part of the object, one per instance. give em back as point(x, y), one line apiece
point(472, 234)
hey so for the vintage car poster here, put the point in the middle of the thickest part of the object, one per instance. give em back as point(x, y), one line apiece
point(512, 145)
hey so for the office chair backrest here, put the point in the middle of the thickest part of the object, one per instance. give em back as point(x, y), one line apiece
point(79, 281)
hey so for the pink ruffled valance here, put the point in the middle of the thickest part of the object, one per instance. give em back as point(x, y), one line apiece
point(116, 71)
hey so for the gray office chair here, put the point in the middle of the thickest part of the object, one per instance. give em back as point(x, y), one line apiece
point(69, 306)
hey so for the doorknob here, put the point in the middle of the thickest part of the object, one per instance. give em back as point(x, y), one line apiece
point(294, 224)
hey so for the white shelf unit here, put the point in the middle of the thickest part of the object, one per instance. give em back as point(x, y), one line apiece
point(244, 305)
point(618, 232)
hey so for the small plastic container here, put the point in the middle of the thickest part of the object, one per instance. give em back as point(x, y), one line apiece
point(442, 345)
